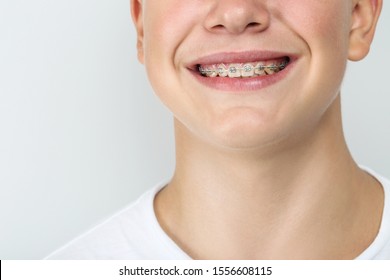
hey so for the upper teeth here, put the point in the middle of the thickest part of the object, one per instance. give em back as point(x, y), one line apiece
point(242, 70)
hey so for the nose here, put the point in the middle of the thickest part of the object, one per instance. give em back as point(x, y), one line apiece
point(237, 16)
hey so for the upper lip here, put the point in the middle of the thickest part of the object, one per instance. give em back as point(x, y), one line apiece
point(238, 57)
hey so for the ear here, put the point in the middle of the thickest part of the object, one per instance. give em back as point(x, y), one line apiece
point(365, 16)
point(137, 16)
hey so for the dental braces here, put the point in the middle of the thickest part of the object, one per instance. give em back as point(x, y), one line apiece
point(247, 68)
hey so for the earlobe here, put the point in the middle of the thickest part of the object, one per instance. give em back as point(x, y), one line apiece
point(365, 16)
point(136, 14)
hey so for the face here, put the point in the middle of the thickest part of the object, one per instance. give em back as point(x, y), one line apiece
point(245, 74)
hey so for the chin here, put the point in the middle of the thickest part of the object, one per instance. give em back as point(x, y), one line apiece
point(247, 138)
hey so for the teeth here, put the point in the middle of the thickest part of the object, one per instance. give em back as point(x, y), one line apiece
point(210, 72)
point(222, 70)
point(271, 69)
point(234, 71)
point(259, 69)
point(245, 70)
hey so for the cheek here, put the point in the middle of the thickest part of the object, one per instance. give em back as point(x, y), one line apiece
point(323, 26)
point(321, 20)
point(167, 23)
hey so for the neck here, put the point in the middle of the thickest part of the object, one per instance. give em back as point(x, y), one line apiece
point(261, 201)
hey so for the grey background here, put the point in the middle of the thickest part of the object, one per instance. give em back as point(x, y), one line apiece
point(81, 133)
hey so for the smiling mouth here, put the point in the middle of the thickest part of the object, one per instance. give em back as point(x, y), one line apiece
point(244, 70)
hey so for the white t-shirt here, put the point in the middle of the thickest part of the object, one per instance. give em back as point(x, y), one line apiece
point(135, 234)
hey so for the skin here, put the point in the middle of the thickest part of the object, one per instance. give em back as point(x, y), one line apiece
point(262, 174)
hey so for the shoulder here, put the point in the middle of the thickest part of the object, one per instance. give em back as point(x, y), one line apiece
point(384, 251)
point(380, 248)
point(126, 235)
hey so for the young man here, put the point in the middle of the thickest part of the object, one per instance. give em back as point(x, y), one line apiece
point(263, 170)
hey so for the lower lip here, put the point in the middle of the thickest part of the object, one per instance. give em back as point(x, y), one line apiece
point(243, 84)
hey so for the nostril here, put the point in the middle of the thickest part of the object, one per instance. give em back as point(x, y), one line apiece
point(219, 27)
point(253, 25)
